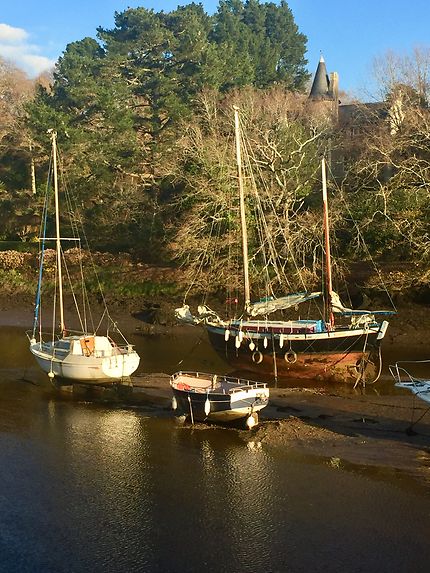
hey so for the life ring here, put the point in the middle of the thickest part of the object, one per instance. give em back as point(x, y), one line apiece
point(257, 357)
point(290, 357)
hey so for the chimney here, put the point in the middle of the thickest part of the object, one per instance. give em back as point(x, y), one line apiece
point(334, 85)
point(334, 91)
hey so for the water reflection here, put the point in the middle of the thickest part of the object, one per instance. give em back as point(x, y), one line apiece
point(88, 487)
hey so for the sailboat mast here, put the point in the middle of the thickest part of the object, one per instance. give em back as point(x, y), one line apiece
point(247, 293)
point(57, 230)
point(329, 285)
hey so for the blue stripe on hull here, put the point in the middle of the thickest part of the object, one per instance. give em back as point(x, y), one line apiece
point(221, 406)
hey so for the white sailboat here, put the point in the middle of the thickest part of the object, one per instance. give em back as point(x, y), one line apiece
point(405, 377)
point(83, 355)
point(335, 346)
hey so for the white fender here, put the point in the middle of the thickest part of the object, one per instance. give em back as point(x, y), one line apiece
point(207, 407)
point(252, 346)
point(237, 342)
point(265, 342)
point(226, 334)
point(174, 403)
point(281, 341)
point(252, 420)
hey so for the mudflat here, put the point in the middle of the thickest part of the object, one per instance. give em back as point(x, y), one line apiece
point(368, 426)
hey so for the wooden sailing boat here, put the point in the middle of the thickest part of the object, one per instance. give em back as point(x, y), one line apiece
point(74, 356)
point(323, 349)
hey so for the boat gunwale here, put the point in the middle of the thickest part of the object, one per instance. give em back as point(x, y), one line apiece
point(128, 348)
point(239, 384)
point(276, 331)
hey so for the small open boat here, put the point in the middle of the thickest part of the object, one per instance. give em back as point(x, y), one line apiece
point(213, 398)
point(405, 379)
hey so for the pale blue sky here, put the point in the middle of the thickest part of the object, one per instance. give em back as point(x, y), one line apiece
point(349, 34)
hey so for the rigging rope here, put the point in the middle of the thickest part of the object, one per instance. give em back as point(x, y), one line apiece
point(362, 238)
point(42, 233)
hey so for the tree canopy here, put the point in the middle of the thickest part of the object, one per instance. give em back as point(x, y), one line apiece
point(143, 116)
point(118, 102)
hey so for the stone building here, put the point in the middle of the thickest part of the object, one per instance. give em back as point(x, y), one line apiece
point(352, 119)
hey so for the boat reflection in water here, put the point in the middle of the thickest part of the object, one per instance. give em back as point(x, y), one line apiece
point(105, 487)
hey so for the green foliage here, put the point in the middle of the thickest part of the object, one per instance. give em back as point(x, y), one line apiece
point(144, 121)
point(19, 215)
point(261, 43)
point(117, 104)
point(26, 247)
point(13, 281)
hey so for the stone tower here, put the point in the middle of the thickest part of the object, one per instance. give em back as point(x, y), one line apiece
point(324, 94)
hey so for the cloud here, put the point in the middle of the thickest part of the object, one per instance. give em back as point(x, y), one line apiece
point(15, 47)
point(12, 35)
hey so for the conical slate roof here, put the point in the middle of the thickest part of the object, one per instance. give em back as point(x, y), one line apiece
point(321, 84)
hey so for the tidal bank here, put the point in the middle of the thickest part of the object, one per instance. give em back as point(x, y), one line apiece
point(356, 427)
point(368, 427)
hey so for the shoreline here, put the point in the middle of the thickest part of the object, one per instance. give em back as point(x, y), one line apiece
point(363, 429)
point(341, 425)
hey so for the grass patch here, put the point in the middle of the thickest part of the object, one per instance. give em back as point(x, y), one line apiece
point(13, 280)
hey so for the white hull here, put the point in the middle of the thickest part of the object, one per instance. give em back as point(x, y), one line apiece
point(407, 378)
point(235, 413)
point(108, 365)
point(211, 398)
point(420, 388)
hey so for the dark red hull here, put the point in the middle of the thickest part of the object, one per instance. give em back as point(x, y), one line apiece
point(321, 357)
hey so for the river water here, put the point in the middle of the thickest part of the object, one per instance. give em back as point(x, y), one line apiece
point(90, 486)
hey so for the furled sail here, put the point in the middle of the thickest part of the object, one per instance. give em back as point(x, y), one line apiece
point(338, 308)
point(183, 314)
point(205, 315)
point(271, 305)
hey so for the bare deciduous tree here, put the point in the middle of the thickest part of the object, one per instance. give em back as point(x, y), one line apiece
point(282, 144)
point(389, 177)
point(15, 89)
point(392, 70)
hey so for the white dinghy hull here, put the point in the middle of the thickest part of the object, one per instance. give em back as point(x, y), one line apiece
point(219, 399)
point(404, 374)
point(421, 389)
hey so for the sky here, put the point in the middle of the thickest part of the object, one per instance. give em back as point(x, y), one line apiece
point(350, 35)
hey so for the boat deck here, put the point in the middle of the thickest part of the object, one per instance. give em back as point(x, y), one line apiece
point(204, 383)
